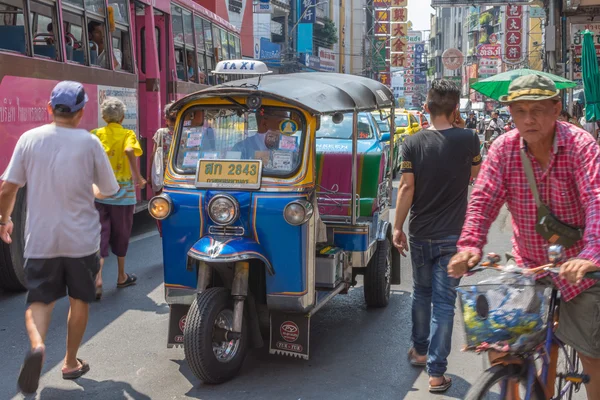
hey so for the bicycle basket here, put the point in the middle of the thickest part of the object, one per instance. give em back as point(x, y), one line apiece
point(504, 317)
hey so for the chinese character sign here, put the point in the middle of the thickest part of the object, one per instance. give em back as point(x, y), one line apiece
point(513, 34)
point(382, 22)
point(381, 3)
point(399, 14)
point(399, 29)
point(399, 57)
point(308, 13)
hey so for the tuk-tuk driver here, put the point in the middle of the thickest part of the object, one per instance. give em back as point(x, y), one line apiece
point(267, 134)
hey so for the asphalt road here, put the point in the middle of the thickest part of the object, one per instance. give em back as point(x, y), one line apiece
point(355, 353)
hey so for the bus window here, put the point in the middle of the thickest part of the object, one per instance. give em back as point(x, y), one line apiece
point(120, 11)
point(122, 49)
point(180, 64)
point(12, 28)
point(209, 67)
point(199, 30)
point(44, 35)
point(120, 46)
point(199, 33)
point(238, 48)
point(95, 6)
point(202, 73)
point(224, 45)
point(208, 38)
point(232, 49)
point(78, 3)
point(74, 37)
point(179, 41)
point(216, 35)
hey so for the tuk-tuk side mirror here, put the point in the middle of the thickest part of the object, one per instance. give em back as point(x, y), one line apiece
point(385, 137)
point(415, 125)
point(400, 130)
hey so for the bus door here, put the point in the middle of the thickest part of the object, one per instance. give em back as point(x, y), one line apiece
point(151, 35)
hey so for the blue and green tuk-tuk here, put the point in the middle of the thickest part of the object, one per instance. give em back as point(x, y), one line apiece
point(263, 221)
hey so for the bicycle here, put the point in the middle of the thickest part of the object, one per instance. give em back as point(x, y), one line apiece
point(529, 367)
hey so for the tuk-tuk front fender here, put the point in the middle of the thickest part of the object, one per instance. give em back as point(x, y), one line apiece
point(229, 249)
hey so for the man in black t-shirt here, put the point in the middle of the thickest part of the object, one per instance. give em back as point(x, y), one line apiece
point(437, 165)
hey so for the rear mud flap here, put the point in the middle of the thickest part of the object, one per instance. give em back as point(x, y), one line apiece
point(177, 315)
point(290, 334)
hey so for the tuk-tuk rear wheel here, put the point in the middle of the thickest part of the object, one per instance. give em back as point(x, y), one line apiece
point(378, 276)
point(210, 314)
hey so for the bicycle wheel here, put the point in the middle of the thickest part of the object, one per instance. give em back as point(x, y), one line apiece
point(488, 386)
point(568, 364)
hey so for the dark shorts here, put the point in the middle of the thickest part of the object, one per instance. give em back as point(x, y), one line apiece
point(49, 279)
point(116, 224)
point(579, 322)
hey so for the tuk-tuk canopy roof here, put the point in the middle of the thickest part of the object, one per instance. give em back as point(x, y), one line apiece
point(317, 92)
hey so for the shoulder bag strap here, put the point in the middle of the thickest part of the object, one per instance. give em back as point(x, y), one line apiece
point(530, 177)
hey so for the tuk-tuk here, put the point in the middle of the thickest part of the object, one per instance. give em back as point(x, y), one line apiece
point(259, 228)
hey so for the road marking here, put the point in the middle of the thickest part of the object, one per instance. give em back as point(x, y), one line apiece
point(143, 236)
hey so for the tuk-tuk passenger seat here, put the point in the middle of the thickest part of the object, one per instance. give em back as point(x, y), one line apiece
point(334, 180)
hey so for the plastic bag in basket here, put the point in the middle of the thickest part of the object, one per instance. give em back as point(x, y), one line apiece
point(506, 312)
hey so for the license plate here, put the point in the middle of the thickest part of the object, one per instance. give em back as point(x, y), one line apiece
point(234, 174)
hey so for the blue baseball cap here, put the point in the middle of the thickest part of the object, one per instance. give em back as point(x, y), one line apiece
point(68, 96)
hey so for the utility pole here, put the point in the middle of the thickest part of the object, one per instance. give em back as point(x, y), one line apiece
point(550, 37)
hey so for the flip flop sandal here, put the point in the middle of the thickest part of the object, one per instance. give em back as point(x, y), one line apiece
point(413, 359)
point(29, 378)
point(98, 292)
point(131, 279)
point(442, 387)
point(77, 373)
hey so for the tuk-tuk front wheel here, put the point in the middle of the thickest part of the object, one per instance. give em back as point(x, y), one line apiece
point(378, 275)
point(213, 356)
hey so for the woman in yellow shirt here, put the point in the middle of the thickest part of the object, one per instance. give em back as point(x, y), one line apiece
point(116, 212)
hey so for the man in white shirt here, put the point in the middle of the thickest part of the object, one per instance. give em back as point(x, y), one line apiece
point(64, 169)
point(591, 127)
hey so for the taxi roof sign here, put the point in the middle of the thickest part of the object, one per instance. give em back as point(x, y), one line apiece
point(241, 67)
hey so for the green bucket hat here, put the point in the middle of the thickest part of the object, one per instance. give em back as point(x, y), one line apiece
point(530, 88)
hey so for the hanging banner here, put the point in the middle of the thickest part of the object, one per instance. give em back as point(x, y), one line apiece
point(384, 77)
point(382, 3)
point(513, 34)
point(399, 60)
point(399, 14)
point(307, 12)
point(399, 45)
point(382, 22)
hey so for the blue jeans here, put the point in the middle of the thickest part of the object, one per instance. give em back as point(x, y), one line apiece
point(432, 327)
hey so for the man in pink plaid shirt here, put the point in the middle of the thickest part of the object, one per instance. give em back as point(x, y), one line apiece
point(566, 167)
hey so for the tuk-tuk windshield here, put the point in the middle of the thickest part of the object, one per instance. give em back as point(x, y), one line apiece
point(271, 134)
point(401, 121)
point(343, 130)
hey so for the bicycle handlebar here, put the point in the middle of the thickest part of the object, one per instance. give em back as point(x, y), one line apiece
point(551, 268)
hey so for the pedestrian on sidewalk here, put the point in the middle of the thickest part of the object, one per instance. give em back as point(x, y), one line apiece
point(60, 164)
point(116, 213)
point(437, 165)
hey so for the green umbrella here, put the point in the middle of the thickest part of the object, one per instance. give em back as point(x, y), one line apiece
point(497, 86)
point(591, 78)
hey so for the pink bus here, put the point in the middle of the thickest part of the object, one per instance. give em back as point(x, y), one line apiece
point(159, 51)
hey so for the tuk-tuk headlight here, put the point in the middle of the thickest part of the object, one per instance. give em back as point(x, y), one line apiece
point(223, 209)
point(298, 212)
point(160, 206)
